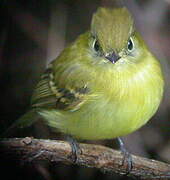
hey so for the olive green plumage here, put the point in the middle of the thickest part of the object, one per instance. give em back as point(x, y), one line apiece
point(104, 85)
point(112, 28)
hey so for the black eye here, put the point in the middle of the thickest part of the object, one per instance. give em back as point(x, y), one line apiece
point(130, 45)
point(96, 45)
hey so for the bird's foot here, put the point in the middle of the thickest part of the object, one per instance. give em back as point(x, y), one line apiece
point(127, 158)
point(75, 148)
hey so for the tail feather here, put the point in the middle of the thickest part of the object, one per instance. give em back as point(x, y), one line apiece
point(24, 121)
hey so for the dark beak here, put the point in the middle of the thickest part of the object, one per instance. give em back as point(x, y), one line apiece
point(112, 57)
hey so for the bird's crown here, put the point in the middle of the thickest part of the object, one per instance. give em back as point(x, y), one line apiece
point(112, 28)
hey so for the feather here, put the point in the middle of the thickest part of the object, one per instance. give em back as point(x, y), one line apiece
point(112, 28)
point(48, 95)
point(24, 121)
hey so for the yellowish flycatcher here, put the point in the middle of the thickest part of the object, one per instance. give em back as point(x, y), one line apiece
point(106, 84)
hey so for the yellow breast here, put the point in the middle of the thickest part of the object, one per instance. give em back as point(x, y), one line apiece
point(123, 104)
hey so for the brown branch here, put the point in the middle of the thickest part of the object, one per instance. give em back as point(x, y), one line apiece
point(96, 156)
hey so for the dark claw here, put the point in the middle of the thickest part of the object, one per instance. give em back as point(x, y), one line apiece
point(127, 158)
point(76, 150)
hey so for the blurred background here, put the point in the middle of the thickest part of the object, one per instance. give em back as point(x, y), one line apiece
point(34, 32)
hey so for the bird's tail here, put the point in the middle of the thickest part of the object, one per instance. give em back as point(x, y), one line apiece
point(24, 121)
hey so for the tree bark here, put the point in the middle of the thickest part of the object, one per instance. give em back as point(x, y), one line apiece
point(96, 156)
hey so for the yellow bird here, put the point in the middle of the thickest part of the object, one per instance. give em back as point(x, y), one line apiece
point(106, 84)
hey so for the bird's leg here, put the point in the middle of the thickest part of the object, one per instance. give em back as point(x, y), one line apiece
point(127, 158)
point(75, 148)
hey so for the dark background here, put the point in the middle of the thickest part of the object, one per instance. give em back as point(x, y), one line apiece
point(32, 33)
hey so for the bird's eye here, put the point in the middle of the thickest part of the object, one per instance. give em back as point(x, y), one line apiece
point(96, 45)
point(130, 45)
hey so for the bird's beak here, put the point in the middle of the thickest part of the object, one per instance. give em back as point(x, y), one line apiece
point(112, 57)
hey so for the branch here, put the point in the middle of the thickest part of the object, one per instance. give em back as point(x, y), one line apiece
point(96, 156)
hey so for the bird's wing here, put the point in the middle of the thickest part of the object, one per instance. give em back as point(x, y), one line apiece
point(48, 95)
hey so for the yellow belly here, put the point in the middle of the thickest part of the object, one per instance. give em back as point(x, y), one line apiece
point(120, 107)
point(100, 120)
point(107, 119)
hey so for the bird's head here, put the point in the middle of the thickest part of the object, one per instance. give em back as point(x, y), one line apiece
point(113, 38)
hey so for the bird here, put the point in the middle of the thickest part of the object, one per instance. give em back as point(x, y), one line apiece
point(104, 85)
